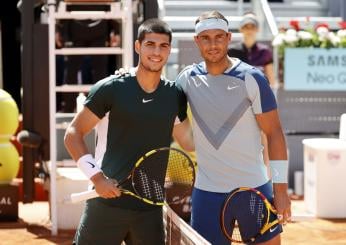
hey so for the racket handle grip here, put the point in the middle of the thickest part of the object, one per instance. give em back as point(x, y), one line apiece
point(82, 196)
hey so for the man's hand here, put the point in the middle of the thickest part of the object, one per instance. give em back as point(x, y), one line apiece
point(121, 71)
point(282, 202)
point(105, 187)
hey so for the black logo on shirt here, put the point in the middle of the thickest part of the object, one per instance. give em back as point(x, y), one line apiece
point(92, 165)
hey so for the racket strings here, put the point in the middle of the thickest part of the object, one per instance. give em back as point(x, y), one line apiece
point(180, 169)
point(252, 203)
point(179, 178)
point(243, 204)
point(147, 178)
point(159, 193)
point(162, 171)
point(260, 214)
point(144, 184)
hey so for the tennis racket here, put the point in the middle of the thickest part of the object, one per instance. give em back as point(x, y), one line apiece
point(252, 204)
point(155, 172)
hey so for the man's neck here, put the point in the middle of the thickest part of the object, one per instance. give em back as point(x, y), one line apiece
point(249, 43)
point(148, 80)
point(219, 67)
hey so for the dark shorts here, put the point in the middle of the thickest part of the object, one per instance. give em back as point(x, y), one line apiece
point(103, 224)
point(206, 210)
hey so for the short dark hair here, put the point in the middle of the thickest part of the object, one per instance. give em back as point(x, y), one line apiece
point(211, 15)
point(154, 26)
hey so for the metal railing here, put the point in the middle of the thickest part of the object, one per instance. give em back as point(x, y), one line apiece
point(162, 9)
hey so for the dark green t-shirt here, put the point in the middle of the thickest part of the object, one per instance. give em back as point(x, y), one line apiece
point(137, 123)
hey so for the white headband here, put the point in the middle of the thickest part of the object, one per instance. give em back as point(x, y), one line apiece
point(209, 24)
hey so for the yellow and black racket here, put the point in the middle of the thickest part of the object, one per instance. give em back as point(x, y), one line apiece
point(245, 215)
point(154, 173)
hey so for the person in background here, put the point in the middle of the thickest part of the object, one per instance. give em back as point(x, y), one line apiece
point(87, 69)
point(60, 66)
point(114, 61)
point(251, 51)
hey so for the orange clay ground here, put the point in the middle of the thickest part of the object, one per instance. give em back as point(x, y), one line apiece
point(33, 228)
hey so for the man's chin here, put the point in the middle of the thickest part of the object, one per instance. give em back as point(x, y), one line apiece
point(213, 60)
point(154, 68)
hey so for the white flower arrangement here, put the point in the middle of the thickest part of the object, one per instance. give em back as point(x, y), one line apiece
point(319, 37)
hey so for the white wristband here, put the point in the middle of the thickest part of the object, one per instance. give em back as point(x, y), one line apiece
point(88, 166)
point(279, 170)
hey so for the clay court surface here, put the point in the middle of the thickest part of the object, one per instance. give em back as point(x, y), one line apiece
point(33, 228)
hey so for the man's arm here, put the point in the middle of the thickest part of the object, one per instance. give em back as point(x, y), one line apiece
point(80, 126)
point(182, 134)
point(269, 123)
point(269, 72)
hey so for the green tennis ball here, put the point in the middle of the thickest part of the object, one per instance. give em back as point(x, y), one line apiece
point(9, 114)
point(9, 162)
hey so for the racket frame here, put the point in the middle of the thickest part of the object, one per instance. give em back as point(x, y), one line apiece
point(267, 225)
point(78, 197)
